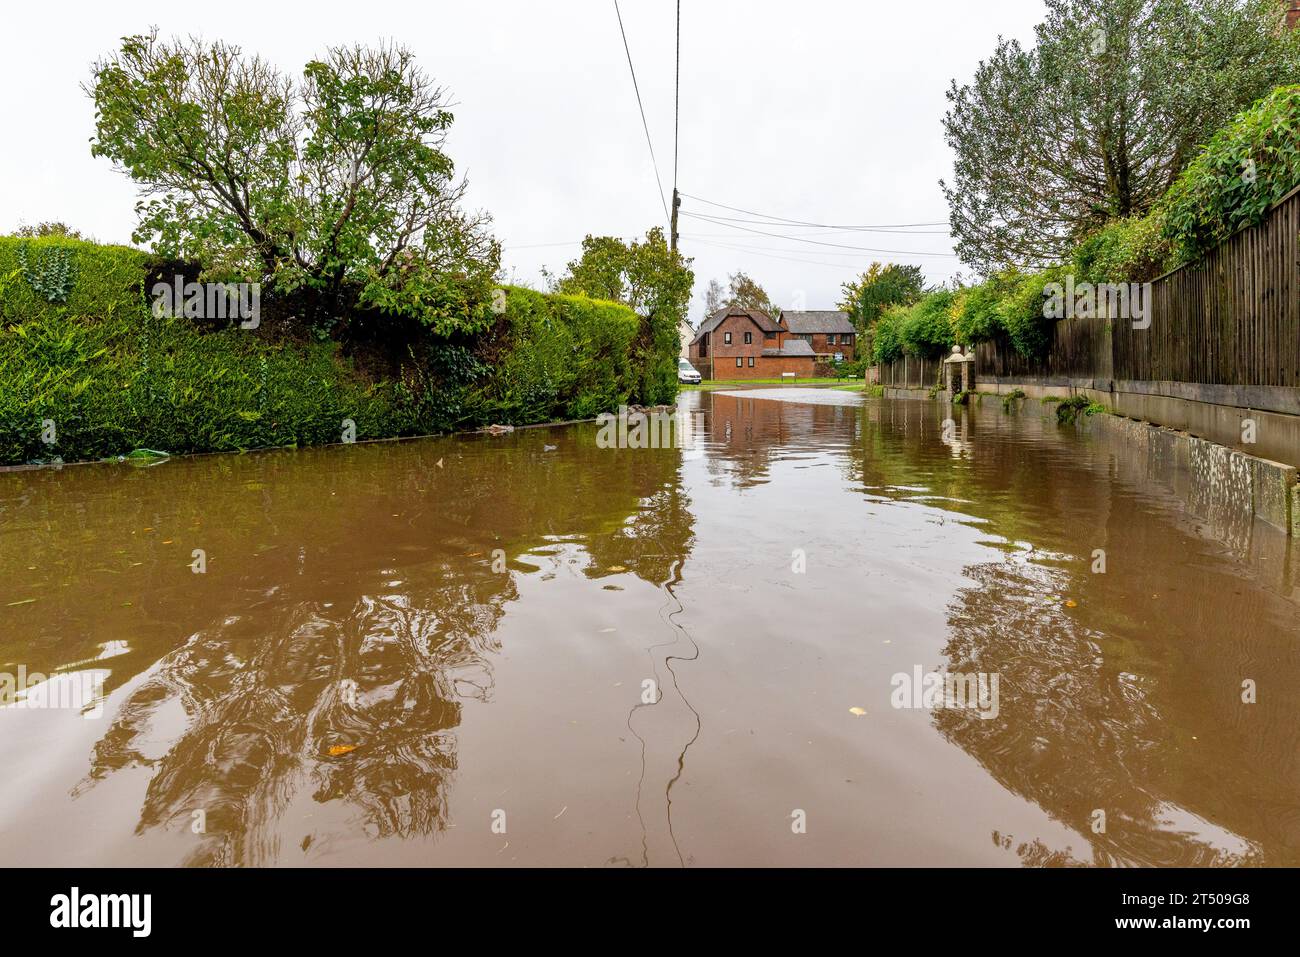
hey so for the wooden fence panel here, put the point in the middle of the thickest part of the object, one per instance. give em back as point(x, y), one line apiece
point(1232, 318)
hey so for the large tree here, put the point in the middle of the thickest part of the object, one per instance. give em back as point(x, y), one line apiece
point(1098, 118)
point(744, 293)
point(337, 183)
point(643, 274)
point(715, 297)
point(880, 287)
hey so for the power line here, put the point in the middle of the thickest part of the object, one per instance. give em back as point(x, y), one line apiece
point(641, 107)
point(815, 242)
point(791, 259)
point(774, 249)
point(832, 230)
point(800, 222)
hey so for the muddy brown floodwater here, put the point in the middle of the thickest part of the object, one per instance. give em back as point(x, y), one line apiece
point(439, 652)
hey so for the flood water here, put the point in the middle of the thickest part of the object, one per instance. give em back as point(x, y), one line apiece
point(440, 652)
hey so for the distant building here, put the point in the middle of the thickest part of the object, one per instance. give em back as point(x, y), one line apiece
point(829, 332)
point(738, 343)
point(685, 332)
point(1292, 12)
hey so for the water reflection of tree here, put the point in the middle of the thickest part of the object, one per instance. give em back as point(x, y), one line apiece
point(1127, 699)
point(338, 645)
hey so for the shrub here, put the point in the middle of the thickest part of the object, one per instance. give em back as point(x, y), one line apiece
point(1020, 312)
point(927, 329)
point(1247, 167)
point(1125, 250)
point(1070, 409)
point(564, 357)
point(887, 344)
point(975, 316)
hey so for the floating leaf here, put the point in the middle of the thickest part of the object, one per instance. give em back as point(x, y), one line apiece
point(616, 568)
point(857, 711)
point(337, 749)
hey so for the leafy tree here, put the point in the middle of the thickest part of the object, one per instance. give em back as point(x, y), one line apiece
point(881, 286)
point(715, 297)
point(927, 329)
point(643, 274)
point(53, 228)
point(745, 293)
point(887, 341)
point(1097, 119)
point(337, 184)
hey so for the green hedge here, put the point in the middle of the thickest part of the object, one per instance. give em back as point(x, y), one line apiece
point(104, 281)
point(1135, 249)
point(567, 357)
point(112, 377)
point(921, 329)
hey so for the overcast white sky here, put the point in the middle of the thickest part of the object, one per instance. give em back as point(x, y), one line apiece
point(820, 111)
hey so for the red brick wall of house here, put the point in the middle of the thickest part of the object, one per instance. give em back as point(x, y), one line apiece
point(764, 367)
point(721, 350)
point(1292, 13)
point(821, 344)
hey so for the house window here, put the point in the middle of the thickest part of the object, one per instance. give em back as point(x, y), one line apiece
point(751, 362)
point(739, 361)
point(830, 340)
point(749, 337)
point(726, 337)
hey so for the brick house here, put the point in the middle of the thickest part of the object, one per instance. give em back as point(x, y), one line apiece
point(829, 332)
point(749, 344)
point(1292, 13)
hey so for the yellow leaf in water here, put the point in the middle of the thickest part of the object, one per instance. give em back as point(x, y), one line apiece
point(616, 568)
point(1071, 603)
point(857, 711)
point(337, 749)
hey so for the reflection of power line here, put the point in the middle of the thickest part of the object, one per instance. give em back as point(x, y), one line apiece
point(641, 107)
point(800, 222)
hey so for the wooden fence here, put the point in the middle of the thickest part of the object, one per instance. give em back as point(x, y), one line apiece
point(910, 372)
point(1233, 318)
point(1224, 330)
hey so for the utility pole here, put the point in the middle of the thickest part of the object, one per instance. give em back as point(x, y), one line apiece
point(677, 126)
point(677, 201)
